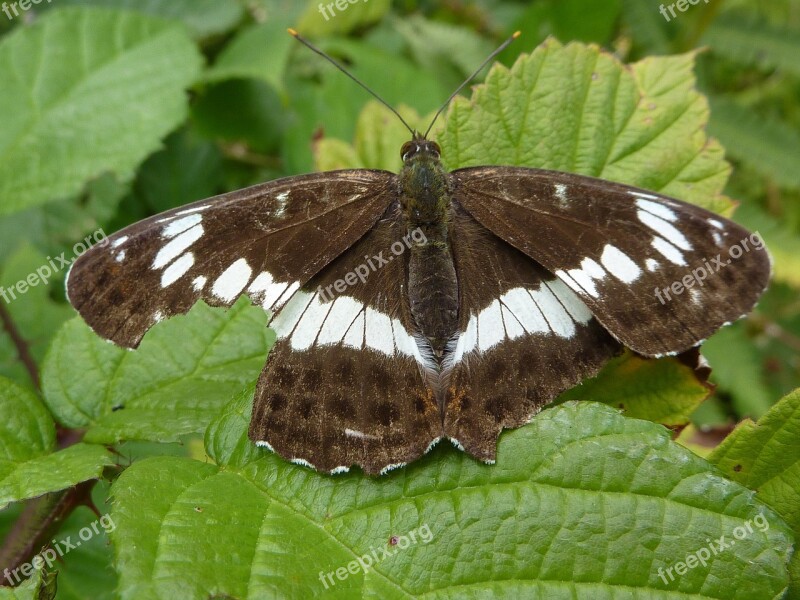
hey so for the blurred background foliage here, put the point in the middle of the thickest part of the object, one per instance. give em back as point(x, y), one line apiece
point(261, 101)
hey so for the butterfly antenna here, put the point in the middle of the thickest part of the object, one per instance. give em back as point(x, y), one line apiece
point(489, 58)
point(330, 59)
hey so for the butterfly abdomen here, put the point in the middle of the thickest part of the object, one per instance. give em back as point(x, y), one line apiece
point(432, 281)
point(433, 291)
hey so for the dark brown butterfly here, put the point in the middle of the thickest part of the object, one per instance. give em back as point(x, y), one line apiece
point(425, 305)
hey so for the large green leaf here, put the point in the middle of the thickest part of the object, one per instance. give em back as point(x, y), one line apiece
point(765, 456)
point(29, 467)
point(582, 503)
point(91, 90)
point(258, 52)
point(203, 17)
point(183, 372)
point(576, 108)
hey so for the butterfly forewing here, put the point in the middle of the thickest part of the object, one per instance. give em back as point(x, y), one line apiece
point(264, 241)
point(621, 249)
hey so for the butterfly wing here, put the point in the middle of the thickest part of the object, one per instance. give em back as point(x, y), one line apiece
point(265, 241)
point(525, 337)
point(343, 384)
point(622, 250)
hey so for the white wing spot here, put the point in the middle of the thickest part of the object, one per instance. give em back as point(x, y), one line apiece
point(354, 433)
point(232, 281)
point(177, 269)
point(196, 209)
point(642, 194)
point(652, 264)
point(575, 307)
point(180, 225)
point(490, 326)
point(175, 247)
point(310, 323)
point(664, 229)
point(282, 199)
point(561, 193)
point(715, 223)
point(556, 315)
point(659, 210)
point(120, 256)
point(619, 264)
point(118, 242)
point(379, 332)
point(199, 283)
point(668, 251)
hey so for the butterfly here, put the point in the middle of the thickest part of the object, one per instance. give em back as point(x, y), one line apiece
point(426, 305)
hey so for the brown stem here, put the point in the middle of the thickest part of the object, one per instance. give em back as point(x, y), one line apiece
point(23, 351)
point(40, 520)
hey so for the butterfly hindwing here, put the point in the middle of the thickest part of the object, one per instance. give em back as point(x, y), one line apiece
point(621, 249)
point(525, 337)
point(265, 241)
point(343, 383)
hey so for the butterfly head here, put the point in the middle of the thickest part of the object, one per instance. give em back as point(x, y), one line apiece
point(419, 149)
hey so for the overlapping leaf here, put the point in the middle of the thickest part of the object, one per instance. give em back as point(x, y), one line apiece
point(184, 371)
point(68, 93)
point(583, 502)
point(29, 467)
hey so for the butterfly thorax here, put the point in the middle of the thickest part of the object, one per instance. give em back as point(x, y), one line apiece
point(432, 282)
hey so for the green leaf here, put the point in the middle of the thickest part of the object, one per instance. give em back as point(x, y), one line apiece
point(97, 65)
point(734, 361)
point(187, 169)
point(30, 589)
point(378, 138)
point(257, 52)
point(241, 111)
point(783, 244)
point(342, 16)
point(582, 502)
point(664, 391)
point(576, 108)
point(185, 370)
point(28, 466)
point(765, 457)
point(742, 39)
point(204, 18)
point(769, 146)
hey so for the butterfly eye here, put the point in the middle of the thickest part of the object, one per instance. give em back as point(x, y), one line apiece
point(406, 150)
point(435, 149)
